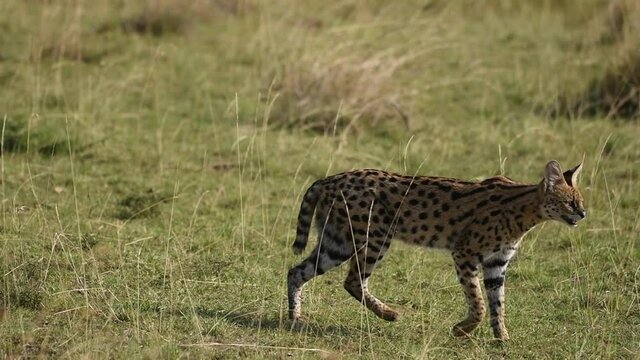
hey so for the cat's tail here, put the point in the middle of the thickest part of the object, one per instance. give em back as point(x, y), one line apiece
point(307, 208)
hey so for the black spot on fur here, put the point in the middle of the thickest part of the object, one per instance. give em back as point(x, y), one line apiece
point(497, 262)
point(468, 266)
point(443, 187)
point(517, 196)
point(494, 283)
point(337, 255)
point(371, 259)
point(458, 195)
point(465, 215)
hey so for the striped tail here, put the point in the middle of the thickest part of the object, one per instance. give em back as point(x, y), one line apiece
point(305, 215)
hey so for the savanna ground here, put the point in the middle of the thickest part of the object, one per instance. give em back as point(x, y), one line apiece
point(154, 154)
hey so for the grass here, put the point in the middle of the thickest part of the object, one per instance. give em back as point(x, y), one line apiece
point(150, 179)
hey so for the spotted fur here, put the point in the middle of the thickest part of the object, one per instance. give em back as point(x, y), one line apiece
point(481, 224)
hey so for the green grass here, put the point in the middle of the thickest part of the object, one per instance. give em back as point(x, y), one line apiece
point(151, 174)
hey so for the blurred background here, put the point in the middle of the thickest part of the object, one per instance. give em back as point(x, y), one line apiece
point(366, 64)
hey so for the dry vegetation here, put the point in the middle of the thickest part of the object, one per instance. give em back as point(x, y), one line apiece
point(616, 93)
point(328, 78)
point(338, 91)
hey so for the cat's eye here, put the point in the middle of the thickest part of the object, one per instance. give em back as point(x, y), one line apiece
point(574, 204)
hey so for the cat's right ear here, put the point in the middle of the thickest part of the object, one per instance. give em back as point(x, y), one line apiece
point(552, 175)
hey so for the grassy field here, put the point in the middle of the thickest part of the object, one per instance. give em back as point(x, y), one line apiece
point(154, 155)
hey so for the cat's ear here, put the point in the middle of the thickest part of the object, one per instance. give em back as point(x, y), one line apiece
point(571, 176)
point(552, 175)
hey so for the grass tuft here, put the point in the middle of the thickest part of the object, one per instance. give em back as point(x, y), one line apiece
point(21, 286)
point(613, 92)
point(320, 93)
point(47, 139)
point(157, 20)
point(615, 95)
point(15, 137)
point(160, 18)
point(140, 205)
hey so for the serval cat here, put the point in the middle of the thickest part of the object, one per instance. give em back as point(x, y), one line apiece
point(358, 213)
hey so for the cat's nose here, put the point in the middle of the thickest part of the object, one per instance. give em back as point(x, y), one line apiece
point(582, 213)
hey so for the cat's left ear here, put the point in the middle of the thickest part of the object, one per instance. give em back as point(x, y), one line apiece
point(571, 175)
